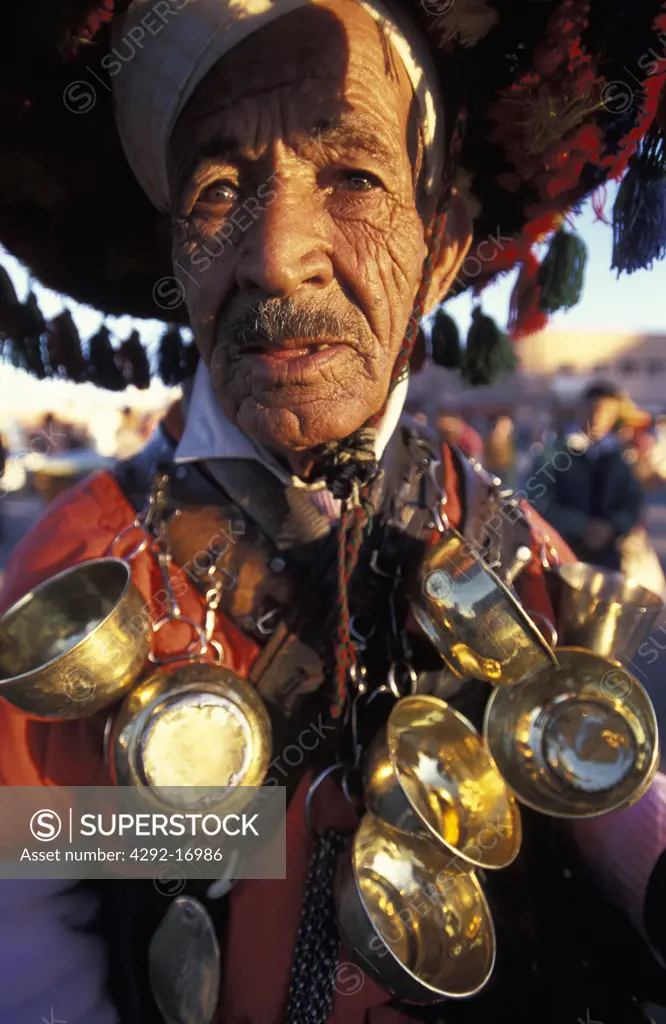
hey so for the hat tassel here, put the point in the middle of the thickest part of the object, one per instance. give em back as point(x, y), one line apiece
point(562, 273)
point(526, 315)
point(489, 353)
point(445, 342)
point(639, 214)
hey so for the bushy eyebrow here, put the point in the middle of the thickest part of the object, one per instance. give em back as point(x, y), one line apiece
point(351, 131)
point(347, 132)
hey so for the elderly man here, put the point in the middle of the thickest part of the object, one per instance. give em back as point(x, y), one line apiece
point(305, 154)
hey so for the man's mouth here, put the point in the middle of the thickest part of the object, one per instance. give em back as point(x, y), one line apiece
point(292, 360)
point(288, 350)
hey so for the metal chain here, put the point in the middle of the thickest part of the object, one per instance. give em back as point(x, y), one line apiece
point(151, 522)
point(312, 983)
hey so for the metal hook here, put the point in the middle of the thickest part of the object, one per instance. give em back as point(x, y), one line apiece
point(376, 569)
point(338, 766)
point(356, 634)
point(261, 622)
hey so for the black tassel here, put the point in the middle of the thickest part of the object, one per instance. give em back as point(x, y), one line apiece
point(103, 370)
point(10, 307)
point(445, 341)
point(171, 358)
point(28, 328)
point(134, 363)
point(63, 346)
point(190, 360)
point(489, 353)
point(639, 214)
point(26, 354)
point(33, 323)
point(562, 272)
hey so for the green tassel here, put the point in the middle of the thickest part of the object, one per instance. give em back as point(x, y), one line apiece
point(445, 341)
point(489, 353)
point(562, 272)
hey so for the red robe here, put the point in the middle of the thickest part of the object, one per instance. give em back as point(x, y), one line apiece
point(264, 914)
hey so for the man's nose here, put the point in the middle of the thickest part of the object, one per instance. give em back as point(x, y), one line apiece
point(286, 246)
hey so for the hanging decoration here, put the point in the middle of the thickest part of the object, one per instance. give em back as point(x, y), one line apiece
point(63, 348)
point(171, 359)
point(103, 369)
point(562, 273)
point(639, 214)
point(133, 362)
point(445, 341)
point(489, 353)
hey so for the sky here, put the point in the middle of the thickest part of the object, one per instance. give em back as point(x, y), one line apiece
point(634, 302)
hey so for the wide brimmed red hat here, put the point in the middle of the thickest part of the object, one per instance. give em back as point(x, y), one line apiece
point(547, 99)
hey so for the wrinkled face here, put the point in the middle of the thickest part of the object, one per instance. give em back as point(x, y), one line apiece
point(299, 224)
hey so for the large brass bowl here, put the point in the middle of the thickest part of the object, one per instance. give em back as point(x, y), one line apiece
point(603, 611)
point(420, 927)
point(430, 773)
point(192, 735)
point(474, 620)
point(75, 644)
point(575, 741)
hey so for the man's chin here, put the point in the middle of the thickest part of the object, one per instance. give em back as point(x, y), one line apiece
point(297, 430)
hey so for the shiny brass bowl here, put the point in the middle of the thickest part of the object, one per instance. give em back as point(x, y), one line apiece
point(429, 773)
point(422, 929)
point(576, 741)
point(75, 644)
point(474, 620)
point(193, 735)
point(603, 611)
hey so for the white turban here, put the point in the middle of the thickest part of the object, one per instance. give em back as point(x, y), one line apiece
point(162, 50)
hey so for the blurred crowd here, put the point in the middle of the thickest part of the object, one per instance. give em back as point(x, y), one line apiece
point(43, 456)
point(587, 468)
point(588, 471)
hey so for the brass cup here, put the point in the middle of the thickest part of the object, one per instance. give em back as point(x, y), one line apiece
point(197, 726)
point(603, 611)
point(422, 929)
point(75, 644)
point(473, 619)
point(429, 773)
point(577, 740)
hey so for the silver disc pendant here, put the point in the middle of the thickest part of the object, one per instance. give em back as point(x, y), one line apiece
point(184, 964)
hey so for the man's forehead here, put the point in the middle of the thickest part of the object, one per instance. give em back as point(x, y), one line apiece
point(314, 55)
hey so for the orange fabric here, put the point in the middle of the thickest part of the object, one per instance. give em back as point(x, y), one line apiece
point(81, 525)
point(264, 915)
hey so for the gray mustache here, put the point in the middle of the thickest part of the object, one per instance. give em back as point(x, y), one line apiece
point(272, 322)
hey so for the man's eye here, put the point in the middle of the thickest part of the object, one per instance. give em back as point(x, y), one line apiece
point(218, 193)
point(359, 181)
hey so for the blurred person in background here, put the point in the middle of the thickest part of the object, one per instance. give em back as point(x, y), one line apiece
point(130, 435)
point(414, 410)
point(637, 430)
point(500, 449)
point(50, 437)
point(643, 454)
point(455, 431)
point(595, 501)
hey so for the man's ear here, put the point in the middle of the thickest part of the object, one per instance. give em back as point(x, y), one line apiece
point(457, 240)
